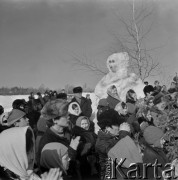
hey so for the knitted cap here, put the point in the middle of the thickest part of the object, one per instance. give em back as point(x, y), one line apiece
point(14, 116)
point(55, 108)
point(153, 135)
point(79, 120)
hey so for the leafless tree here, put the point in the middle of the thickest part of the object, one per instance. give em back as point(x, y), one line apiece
point(133, 41)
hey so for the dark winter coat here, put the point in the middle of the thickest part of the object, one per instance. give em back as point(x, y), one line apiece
point(131, 105)
point(150, 155)
point(49, 137)
point(87, 140)
point(104, 143)
point(85, 106)
point(85, 149)
point(112, 102)
point(157, 90)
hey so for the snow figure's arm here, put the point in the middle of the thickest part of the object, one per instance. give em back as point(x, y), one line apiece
point(101, 88)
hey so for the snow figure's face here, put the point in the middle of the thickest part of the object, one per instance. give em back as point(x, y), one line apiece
point(112, 65)
point(117, 61)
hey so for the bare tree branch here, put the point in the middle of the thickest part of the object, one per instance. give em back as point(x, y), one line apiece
point(133, 41)
point(86, 64)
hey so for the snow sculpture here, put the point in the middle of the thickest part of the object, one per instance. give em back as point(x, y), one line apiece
point(117, 65)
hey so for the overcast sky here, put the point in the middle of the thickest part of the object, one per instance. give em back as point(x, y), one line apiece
point(38, 38)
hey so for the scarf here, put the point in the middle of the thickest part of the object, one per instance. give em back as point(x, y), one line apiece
point(13, 155)
point(51, 155)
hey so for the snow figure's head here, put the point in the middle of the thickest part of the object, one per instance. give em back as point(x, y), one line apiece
point(117, 62)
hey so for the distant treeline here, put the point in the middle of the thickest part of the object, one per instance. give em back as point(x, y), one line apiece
point(19, 90)
point(42, 89)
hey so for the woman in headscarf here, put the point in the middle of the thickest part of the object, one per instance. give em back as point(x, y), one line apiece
point(113, 98)
point(131, 100)
point(17, 154)
point(86, 149)
point(55, 155)
point(74, 112)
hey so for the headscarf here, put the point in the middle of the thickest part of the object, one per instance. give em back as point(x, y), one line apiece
point(13, 155)
point(109, 92)
point(71, 110)
point(79, 120)
point(51, 155)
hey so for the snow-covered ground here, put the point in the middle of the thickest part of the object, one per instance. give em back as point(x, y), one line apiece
point(6, 101)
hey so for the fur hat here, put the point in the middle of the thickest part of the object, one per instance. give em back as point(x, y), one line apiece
point(55, 108)
point(18, 104)
point(78, 90)
point(108, 118)
point(148, 89)
point(153, 135)
point(15, 115)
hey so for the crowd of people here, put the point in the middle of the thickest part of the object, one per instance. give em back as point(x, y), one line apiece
point(53, 137)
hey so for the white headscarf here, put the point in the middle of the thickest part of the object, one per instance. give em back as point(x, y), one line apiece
point(71, 110)
point(13, 155)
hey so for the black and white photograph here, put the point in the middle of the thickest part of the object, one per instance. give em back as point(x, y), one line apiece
point(88, 89)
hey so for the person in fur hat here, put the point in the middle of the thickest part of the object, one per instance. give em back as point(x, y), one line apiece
point(102, 106)
point(56, 113)
point(109, 122)
point(125, 149)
